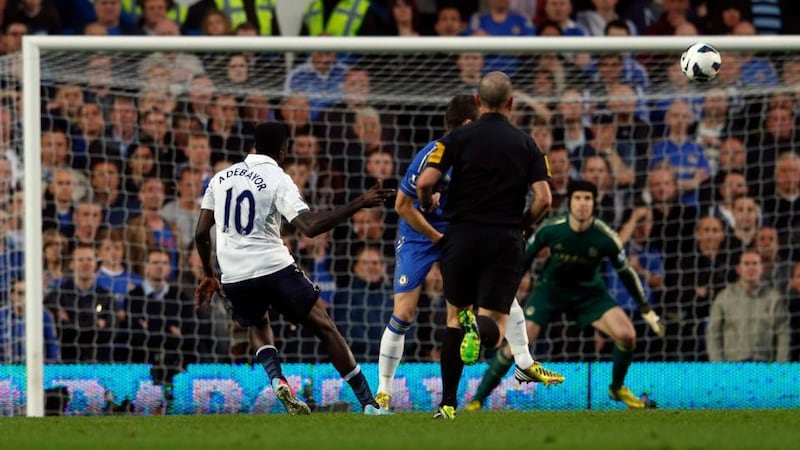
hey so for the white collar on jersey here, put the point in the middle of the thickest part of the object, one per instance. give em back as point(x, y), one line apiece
point(254, 159)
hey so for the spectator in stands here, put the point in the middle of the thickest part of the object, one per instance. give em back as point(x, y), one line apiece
point(260, 13)
point(150, 12)
point(614, 68)
point(228, 138)
point(794, 312)
point(379, 165)
point(366, 228)
point(117, 205)
point(568, 129)
point(59, 205)
point(677, 12)
point(150, 229)
point(39, 16)
point(620, 159)
point(777, 267)
point(88, 220)
point(122, 128)
point(470, 71)
point(12, 36)
point(782, 208)
point(109, 14)
point(320, 77)
point(11, 257)
point(160, 317)
point(314, 255)
point(139, 166)
point(255, 110)
point(90, 128)
point(326, 183)
point(185, 209)
point(449, 22)
point(790, 73)
point(113, 274)
point(757, 71)
point(673, 222)
point(99, 79)
point(8, 144)
point(299, 169)
point(749, 321)
point(747, 220)
point(66, 103)
point(295, 112)
point(216, 23)
point(404, 20)
point(12, 329)
point(369, 133)
point(84, 311)
point(237, 74)
point(559, 11)
point(733, 186)
point(55, 155)
point(560, 175)
point(609, 204)
point(15, 230)
point(500, 20)
point(361, 304)
point(336, 118)
point(7, 185)
point(714, 125)
point(604, 13)
point(633, 133)
point(723, 16)
point(777, 136)
point(154, 129)
point(682, 154)
point(54, 255)
point(183, 67)
point(732, 157)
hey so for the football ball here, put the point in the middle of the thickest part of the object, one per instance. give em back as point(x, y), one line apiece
point(701, 62)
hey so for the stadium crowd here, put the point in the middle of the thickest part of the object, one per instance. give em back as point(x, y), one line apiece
point(703, 182)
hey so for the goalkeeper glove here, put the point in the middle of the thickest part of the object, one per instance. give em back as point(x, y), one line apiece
point(654, 321)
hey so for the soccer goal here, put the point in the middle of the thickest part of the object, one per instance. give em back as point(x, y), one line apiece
point(120, 134)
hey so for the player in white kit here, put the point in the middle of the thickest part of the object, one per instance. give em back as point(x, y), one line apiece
point(246, 202)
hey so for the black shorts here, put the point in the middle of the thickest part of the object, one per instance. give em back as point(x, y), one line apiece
point(288, 290)
point(481, 265)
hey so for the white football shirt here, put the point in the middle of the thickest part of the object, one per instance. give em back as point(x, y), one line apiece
point(248, 200)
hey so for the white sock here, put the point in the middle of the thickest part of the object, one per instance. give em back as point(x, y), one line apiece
point(391, 353)
point(517, 336)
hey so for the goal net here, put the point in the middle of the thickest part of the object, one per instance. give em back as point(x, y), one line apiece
point(128, 132)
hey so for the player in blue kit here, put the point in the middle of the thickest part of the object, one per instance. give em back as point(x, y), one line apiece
point(416, 250)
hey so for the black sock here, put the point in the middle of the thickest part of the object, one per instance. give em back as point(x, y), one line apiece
point(268, 357)
point(452, 365)
point(621, 361)
point(488, 331)
point(358, 382)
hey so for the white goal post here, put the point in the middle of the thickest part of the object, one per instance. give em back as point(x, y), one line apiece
point(32, 80)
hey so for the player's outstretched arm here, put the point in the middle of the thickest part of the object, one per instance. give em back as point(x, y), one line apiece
point(404, 205)
point(313, 223)
point(634, 286)
point(209, 284)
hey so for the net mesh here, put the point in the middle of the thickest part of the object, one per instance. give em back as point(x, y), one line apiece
point(130, 139)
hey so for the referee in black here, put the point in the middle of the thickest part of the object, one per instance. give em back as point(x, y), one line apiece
point(494, 166)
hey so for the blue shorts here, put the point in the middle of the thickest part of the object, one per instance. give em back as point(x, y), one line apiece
point(413, 261)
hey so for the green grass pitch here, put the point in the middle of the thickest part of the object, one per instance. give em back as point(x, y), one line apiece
point(661, 430)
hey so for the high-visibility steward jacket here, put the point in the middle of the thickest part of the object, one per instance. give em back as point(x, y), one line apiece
point(176, 12)
point(345, 20)
point(234, 9)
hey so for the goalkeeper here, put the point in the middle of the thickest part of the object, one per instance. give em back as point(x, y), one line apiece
point(571, 283)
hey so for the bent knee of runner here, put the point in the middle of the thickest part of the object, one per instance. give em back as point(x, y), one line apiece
point(405, 305)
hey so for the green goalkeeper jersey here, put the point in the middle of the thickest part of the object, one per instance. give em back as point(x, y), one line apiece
point(576, 257)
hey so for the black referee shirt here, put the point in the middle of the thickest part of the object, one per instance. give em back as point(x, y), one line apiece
point(494, 164)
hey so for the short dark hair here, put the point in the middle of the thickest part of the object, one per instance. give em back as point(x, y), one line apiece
point(460, 108)
point(617, 23)
point(270, 138)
